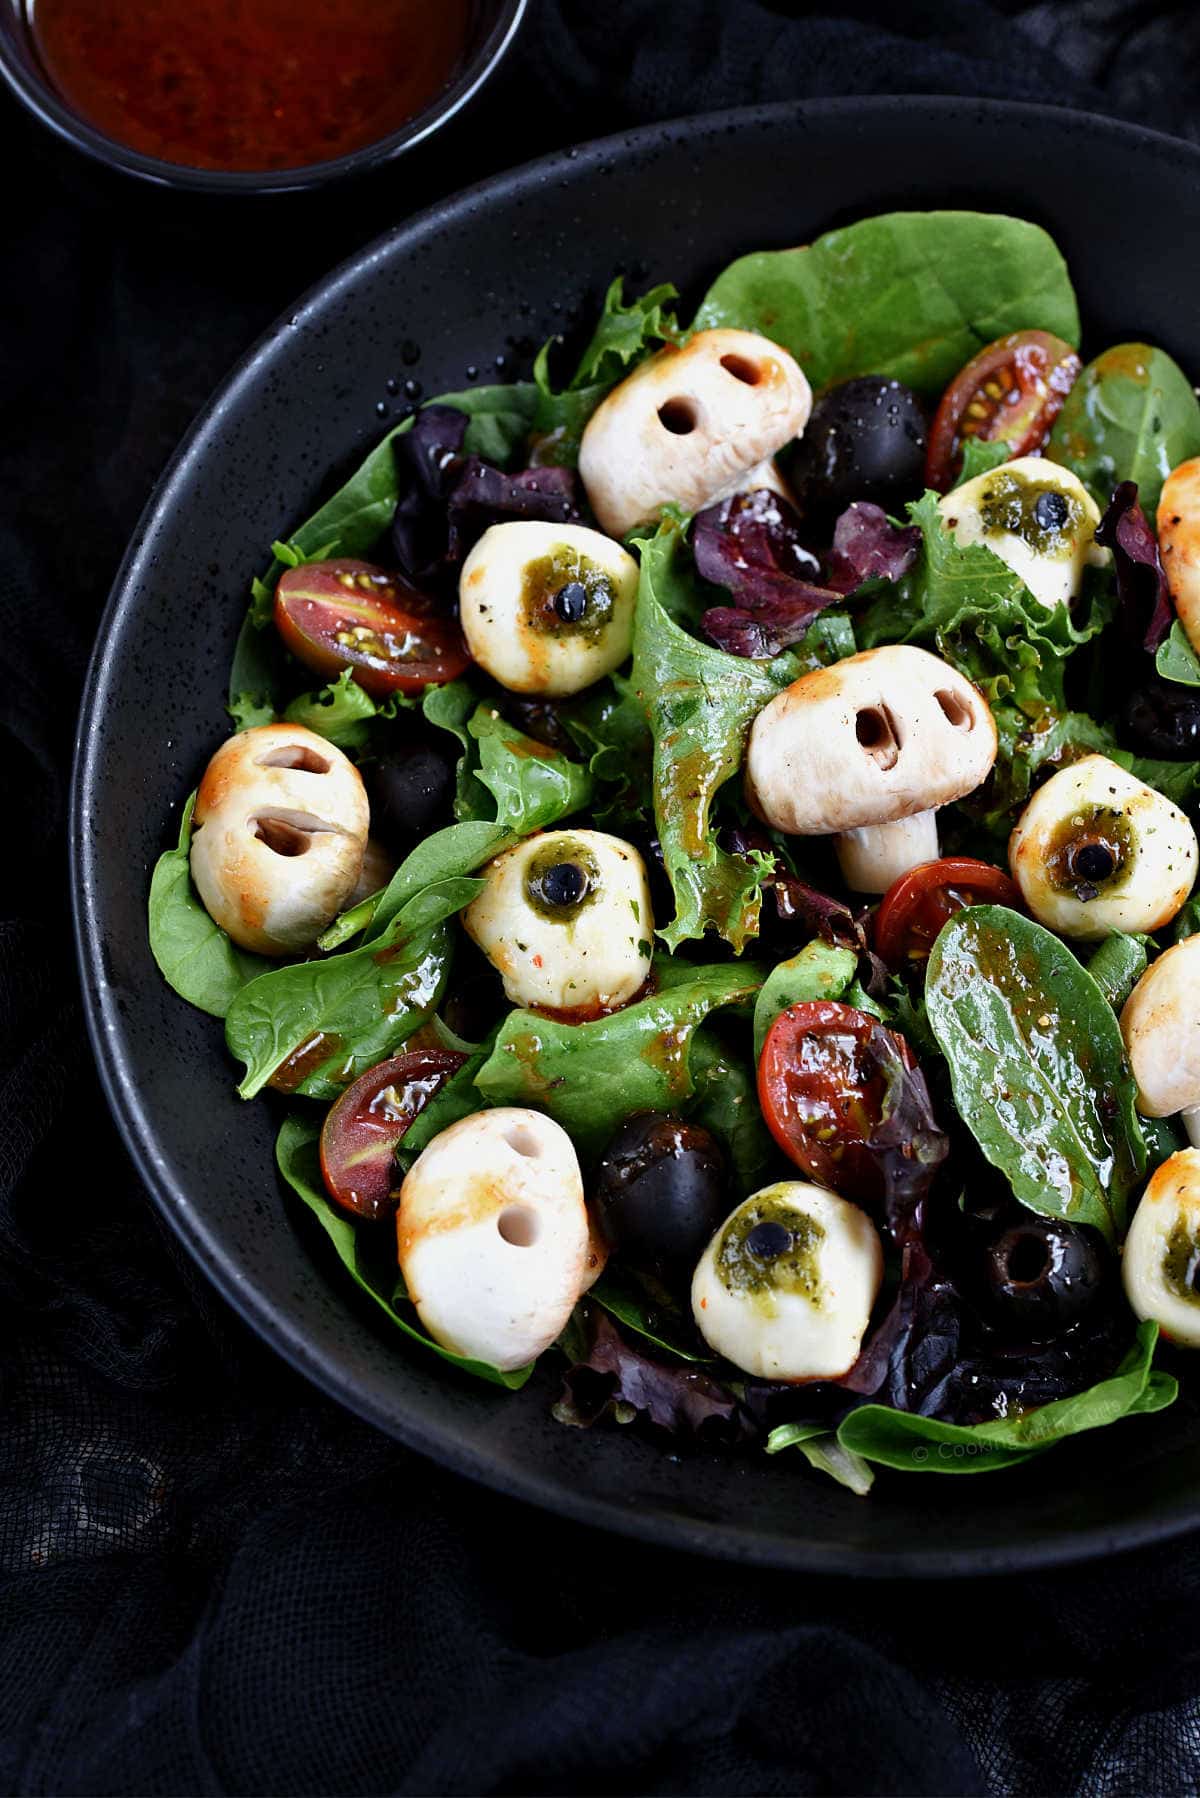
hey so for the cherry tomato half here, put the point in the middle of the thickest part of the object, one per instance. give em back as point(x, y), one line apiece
point(346, 614)
point(915, 907)
point(821, 1090)
point(1012, 391)
point(363, 1126)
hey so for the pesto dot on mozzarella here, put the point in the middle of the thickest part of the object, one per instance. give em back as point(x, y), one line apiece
point(565, 920)
point(547, 608)
point(1038, 518)
point(785, 1288)
point(1160, 1265)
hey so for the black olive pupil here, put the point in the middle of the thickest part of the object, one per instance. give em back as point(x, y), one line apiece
point(571, 602)
point(563, 884)
point(1051, 511)
point(1093, 861)
point(1027, 1260)
point(768, 1240)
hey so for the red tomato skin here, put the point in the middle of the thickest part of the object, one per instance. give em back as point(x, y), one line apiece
point(320, 601)
point(1032, 373)
point(899, 928)
point(362, 1127)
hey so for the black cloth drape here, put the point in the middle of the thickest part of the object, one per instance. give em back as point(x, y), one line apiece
point(214, 1581)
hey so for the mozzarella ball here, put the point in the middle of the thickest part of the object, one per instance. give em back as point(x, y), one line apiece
point(278, 837)
point(785, 1288)
point(1160, 1267)
point(565, 920)
point(1179, 542)
point(547, 608)
point(1097, 850)
point(1038, 518)
point(1161, 1028)
point(492, 1235)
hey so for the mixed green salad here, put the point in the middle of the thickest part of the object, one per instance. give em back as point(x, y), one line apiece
point(706, 862)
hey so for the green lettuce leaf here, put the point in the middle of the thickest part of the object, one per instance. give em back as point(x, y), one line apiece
point(342, 712)
point(623, 334)
point(819, 971)
point(532, 786)
point(194, 955)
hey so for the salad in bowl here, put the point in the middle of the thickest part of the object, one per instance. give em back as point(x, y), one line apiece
point(705, 863)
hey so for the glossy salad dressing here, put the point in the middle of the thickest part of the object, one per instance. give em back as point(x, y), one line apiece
point(249, 85)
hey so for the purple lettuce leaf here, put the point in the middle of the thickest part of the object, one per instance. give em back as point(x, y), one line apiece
point(1147, 613)
point(867, 546)
point(483, 496)
point(908, 1145)
point(614, 1378)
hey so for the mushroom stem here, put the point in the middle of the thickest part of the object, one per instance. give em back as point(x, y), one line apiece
point(876, 854)
point(1191, 1123)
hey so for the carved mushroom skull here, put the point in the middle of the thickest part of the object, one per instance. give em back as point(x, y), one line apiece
point(278, 837)
point(1161, 1027)
point(691, 425)
point(493, 1235)
point(1179, 541)
point(865, 751)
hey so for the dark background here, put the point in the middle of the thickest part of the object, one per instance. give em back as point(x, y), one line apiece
point(211, 1580)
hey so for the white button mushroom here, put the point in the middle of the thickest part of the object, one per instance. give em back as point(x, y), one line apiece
point(1161, 1027)
point(785, 1288)
point(1097, 850)
point(1160, 1266)
point(565, 919)
point(547, 608)
point(866, 750)
point(492, 1235)
point(1179, 542)
point(1038, 518)
point(279, 832)
point(690, 425)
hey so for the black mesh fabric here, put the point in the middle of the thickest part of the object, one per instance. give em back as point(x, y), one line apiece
point(214, 1581)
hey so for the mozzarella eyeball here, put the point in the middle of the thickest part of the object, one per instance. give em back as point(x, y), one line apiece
point(547, 608)
point(278, 837)
point(785, 1288)
point(565, 920)
point(492, 1235)
point(1160, 1267)
point(1097, 850)
point(1038, 518)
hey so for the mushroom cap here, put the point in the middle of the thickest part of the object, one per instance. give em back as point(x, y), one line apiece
point(1052, 569)
point(1179, 542)
point(689, 424)
point(1161, 1026)
point(803, 1315)
point(1162, 1250)
point(492, 1235)
point(590, 955)
point(1149, 840)
point(506, 601)
point(878, 737)
point(278, 837)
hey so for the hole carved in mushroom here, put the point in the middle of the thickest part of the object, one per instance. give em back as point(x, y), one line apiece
point(742, 369)
point(519, 1225)
point(957, 712)
point(524, 1141)
point(288, 833)
point(878, 735)
point(678, 416)
point(295, 755)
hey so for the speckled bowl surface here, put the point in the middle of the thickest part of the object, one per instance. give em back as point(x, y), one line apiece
point(509, 263)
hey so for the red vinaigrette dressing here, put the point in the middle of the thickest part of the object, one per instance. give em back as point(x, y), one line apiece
point(249, 85)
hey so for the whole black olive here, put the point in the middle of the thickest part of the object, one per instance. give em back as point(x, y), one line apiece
point(1041, 1276)
point(1162, 718)
point(661, 1190)
point(865, 440)
point(410, 792)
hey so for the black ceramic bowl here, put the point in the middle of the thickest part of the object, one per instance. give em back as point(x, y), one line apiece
point(494, 26)
point(519, 257)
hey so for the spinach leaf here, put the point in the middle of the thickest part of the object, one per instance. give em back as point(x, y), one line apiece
point(822, 1450)
point(446, 855)
point(1131, 416)
point(533, 786)
point(1117, 966)
point(451, 708)
point(909, 294)
point(657, 1318)
point(590, 1077)
point(193, 953)
point(820, 971)
point(726, 1102)
point(342, 712)
point(458, 1098)
point(1037, 1065)
point(296, 1152)
point(916, 1444)
point(1179, 781)
point(700, 703)
point(1176, 659)
point(314, 1026)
